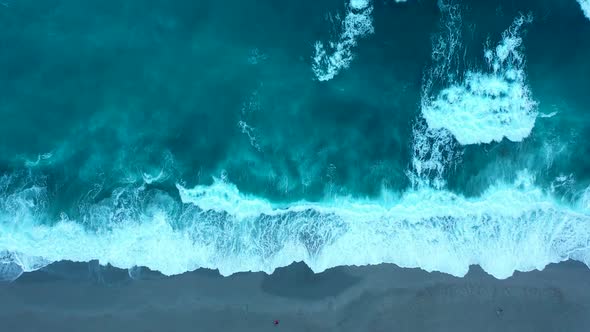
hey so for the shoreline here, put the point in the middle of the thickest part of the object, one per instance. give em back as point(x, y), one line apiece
point(85, 296)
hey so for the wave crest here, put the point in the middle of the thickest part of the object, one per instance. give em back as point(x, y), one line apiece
point(510, 227)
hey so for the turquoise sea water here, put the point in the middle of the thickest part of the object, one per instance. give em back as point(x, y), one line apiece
point(245, 136)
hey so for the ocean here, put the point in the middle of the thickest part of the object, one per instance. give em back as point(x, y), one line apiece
point(243, 136)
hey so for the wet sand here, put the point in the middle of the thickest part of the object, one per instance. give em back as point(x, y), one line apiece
point(87, 297)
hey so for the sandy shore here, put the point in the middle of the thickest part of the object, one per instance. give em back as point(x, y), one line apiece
point(87, 297)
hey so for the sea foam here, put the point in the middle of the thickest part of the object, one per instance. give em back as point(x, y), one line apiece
point(510, 227)
point(490, 105)
point(330, 59)
point(585, 4)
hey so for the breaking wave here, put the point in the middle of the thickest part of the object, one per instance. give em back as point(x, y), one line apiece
point(510, 227)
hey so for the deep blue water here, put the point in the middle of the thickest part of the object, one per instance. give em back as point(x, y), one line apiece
point(245, 136)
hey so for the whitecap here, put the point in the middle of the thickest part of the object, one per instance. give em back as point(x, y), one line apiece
point(488, 106)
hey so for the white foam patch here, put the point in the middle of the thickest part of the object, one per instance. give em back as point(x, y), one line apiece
point(359, 4)
point(330, 59)
point(585, 4)
point(434, 152)
point(510, 227)
point(492, 105)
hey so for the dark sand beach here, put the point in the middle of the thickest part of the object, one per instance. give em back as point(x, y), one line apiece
point(88, 297)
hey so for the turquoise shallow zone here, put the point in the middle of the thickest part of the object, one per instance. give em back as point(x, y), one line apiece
point(97, 97)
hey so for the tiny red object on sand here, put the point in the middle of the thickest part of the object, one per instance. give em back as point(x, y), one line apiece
point(276, 322)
